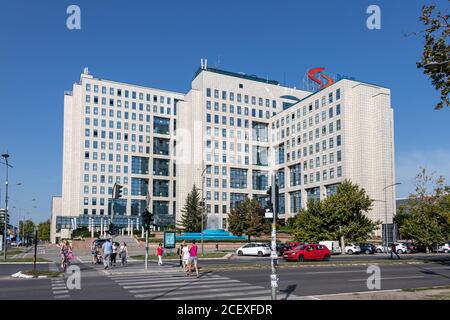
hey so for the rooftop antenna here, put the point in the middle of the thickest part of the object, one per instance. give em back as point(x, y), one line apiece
point(86, 70)
point(203, 64)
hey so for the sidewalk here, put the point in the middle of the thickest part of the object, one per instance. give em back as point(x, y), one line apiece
point(413, 294)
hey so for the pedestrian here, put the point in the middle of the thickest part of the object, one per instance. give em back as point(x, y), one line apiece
point(193, 260)
point(185, 254)
point(107, 250)
point(64, 251)
point(94, 252)
point(394, 251)
point(180, 254)
point(115, 249)
point(160, 253)
point(123, 253)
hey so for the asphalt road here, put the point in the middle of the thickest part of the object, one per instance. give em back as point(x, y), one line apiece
point(130, 282)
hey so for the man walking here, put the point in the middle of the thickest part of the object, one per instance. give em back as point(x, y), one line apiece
point(193, 259)
point(107, 250)
point(394, 251)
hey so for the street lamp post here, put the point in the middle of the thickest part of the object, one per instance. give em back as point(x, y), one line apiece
point(385, 212)
point(204, 203)
point(5, 230)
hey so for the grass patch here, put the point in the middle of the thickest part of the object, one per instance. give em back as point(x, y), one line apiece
point(425, 289)
point(13, 252)
point(37, 273)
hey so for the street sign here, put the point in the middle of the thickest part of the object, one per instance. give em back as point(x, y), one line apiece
point(268, 214)
point(169, 240)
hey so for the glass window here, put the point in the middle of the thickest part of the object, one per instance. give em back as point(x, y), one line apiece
point(238, 178)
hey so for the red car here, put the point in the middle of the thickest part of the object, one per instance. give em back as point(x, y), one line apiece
point(308, 252)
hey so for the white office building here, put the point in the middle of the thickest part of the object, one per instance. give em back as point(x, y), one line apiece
point(226, 136)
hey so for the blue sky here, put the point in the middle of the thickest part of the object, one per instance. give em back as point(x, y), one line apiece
point(160, 44)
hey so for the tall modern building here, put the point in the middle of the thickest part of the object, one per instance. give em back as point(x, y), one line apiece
point(227, 135)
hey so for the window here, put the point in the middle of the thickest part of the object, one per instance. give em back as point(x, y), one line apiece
point(238, 178)
point(260, 180)
point(139, 186)
point(139, 165)
point(295, 175)
point(160, 188)
point(296, 201)
point(161, 125)
point(160, 167)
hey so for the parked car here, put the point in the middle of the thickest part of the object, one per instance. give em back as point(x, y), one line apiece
point(282, 248)
point(308, 252)
point(367, 248)
point(410, 247)
point(444, 248)
point(293, 244)
point(254, 249)
point(352, 249)
point(399, 248)
point(333, 246)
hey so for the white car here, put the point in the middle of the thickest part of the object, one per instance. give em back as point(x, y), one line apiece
point(254, 249)
point(399, 248)
point(333, 246)
point(352, 249)
point(445, 248)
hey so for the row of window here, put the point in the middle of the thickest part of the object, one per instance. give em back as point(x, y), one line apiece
point(231, 96)
point(126, 94)
point(160, 125)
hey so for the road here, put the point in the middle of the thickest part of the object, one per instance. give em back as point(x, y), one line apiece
point(168, 282)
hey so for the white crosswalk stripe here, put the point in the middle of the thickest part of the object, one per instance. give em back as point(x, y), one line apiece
point(175, 285)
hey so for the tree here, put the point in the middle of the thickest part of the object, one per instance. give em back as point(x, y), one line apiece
point(341, 214)
point(247, 218)
point(44, 230)
point(27, 228)
point(436, 54)
point(426, 214)
point(191, 220)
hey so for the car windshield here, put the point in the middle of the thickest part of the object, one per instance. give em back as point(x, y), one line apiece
point(302, 247)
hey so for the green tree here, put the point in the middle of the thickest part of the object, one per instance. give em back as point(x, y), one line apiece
point(44, 230)
point(435, 60)
point(341, 214)
point(27, 228)
point(426, 214)
point(191, 219)
point(247, 218)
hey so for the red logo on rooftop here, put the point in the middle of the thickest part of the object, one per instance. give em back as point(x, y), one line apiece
point(314, 73)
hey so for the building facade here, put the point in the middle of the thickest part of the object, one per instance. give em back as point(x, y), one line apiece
point(227, 135)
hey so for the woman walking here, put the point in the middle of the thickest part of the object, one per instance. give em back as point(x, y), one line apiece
point(180, 254)
point(115, 248)
point(160, 253)
point(193, 260)
point(123, 253)
point(186, 256)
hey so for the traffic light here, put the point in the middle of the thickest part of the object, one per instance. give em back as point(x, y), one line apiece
point(147, 219)
point(270, 201)
point(112, 229)
point(117, 191)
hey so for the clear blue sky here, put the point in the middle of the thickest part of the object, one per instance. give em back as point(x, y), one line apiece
point(160, 43)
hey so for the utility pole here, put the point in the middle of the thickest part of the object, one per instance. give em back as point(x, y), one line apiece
point(35, 251)
point(273, 254)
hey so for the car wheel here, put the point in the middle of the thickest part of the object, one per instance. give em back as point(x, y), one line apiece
point(399, 251)
point(260, 254)
point(367, 252)
point(379, 251)
point(326, 257)
point(240, 253)
point(300, 258)
point(349, 252)
point(446, 251)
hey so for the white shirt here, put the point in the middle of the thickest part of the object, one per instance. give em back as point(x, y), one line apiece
point(185, 253)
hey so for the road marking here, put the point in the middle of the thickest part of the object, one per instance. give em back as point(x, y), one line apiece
point(318, 296)
point(164, 281)
point(343, 271)
point(389, 278)
point(223, 295)
point(191, 284)
point(223, 285)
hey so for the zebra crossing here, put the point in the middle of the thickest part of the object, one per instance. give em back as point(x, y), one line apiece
point(59, 287)
point(175, 285)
